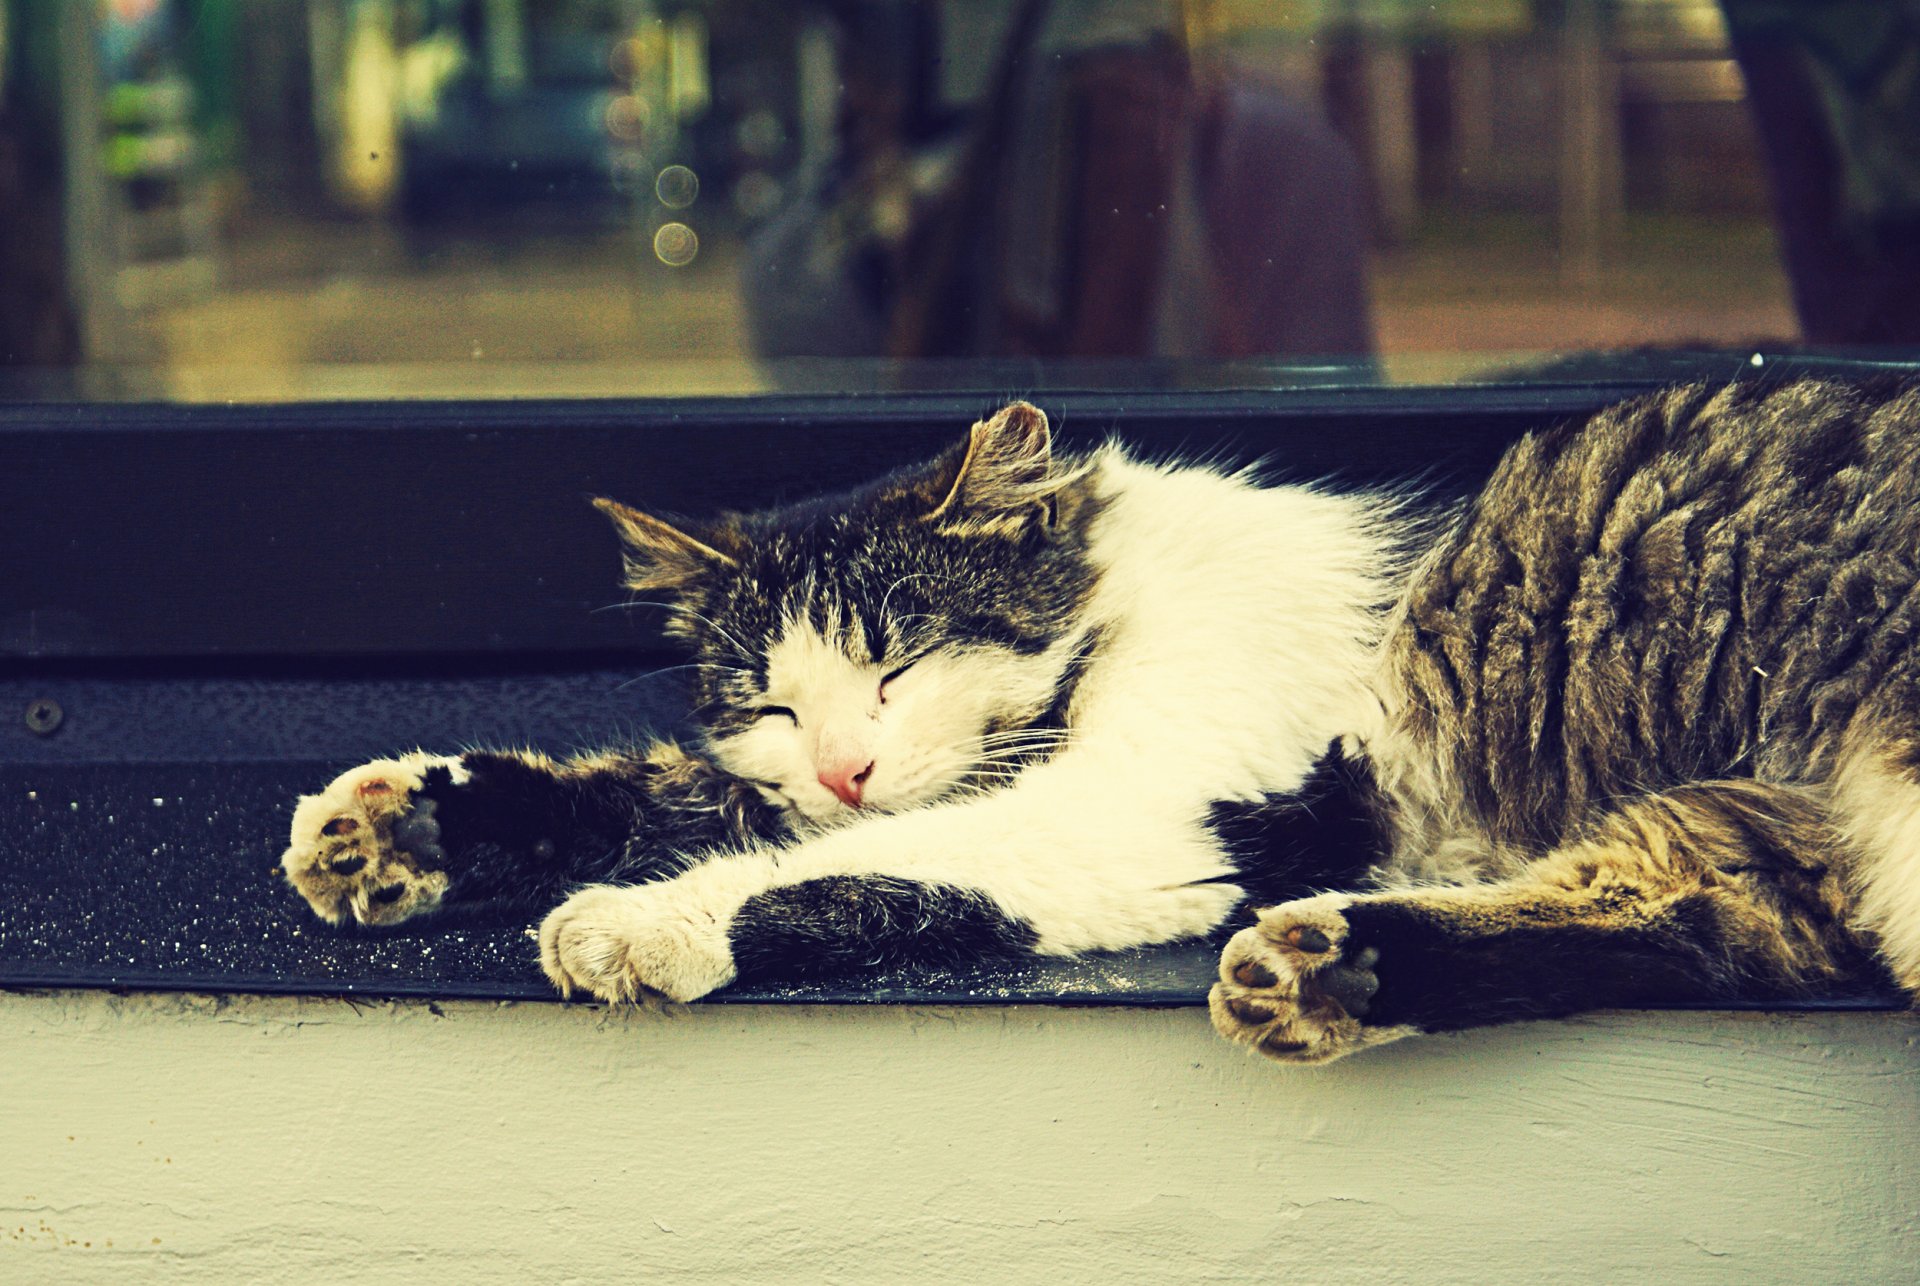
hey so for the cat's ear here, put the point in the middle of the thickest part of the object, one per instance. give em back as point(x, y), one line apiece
point(659, 555)
point(1006, 472)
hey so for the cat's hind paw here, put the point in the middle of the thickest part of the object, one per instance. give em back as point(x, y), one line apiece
point(1296, 987)
point(365, 848)
point(635, 944)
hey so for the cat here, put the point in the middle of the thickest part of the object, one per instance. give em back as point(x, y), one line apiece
point(1636, 724)
point(1006, 703)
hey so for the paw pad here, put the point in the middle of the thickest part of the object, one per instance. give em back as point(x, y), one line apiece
point(1304, 937)
point(1251, 973)
point(1296, 987)
point(1248, 1012)
point(361, 851)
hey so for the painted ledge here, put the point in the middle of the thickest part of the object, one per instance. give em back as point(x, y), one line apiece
point(187, 1137)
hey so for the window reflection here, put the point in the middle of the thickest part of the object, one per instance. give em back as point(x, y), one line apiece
point(297, 198)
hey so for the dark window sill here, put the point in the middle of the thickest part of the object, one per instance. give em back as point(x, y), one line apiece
point(230, 605)
point(109, 888)
point(160, 876)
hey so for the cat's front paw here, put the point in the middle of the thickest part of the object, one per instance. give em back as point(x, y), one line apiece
point(633, 944)
point(1297, 987)
point(367, 847)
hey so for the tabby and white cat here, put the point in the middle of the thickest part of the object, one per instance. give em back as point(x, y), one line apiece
point(1639, 724)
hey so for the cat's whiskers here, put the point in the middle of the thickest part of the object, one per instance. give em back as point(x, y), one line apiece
point(898, 582)
point(1012, 760)
point(702, 706)
point(746, 653)
point(1021, 748)
point(1018, 742)
point(1026, 734)
point(1020, 734)
point(900, 622)
point(675, 669)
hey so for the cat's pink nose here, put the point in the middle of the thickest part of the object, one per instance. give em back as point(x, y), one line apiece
point(847, 782)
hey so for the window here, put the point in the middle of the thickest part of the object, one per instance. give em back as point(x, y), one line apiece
point(319, 318)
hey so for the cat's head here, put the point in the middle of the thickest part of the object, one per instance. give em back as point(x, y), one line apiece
point(884, 648)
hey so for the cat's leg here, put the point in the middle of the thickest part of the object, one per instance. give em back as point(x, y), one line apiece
point(1063, 862)
point(1060, 863)
point(739, 923)
point(396, 838)
point(1714, 891)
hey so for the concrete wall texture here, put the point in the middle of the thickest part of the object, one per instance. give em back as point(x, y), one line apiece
point(191, 1138)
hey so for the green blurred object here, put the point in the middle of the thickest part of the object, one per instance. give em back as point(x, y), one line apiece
point(210, 44)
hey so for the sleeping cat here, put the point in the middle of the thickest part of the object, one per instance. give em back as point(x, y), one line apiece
point(1004, 703)
point(1636, 725)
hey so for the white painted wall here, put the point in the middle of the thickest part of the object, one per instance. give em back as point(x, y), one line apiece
point(195, 1139)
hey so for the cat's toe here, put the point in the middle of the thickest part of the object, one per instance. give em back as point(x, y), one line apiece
point(364, 849)
point(628, 945)
point(1296, 987)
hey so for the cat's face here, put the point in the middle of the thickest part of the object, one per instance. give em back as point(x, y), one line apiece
point(895, 646)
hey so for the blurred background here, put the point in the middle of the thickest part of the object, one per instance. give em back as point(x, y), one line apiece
point(291, 199)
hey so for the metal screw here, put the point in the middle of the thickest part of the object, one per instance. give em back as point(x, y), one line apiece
point(44, 716)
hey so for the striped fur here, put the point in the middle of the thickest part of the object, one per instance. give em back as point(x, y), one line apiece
point(1648, 710)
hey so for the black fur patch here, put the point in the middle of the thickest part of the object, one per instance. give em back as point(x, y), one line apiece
point(507, 834)
point(1328, 835)
point(1437, 978)
point(842, 925)
point(520, 834)
point(1054, 717)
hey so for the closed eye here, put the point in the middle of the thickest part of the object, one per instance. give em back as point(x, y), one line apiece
point(893, 674)
point(780, 711)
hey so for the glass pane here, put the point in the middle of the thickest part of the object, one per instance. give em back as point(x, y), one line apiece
point(286, 199)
